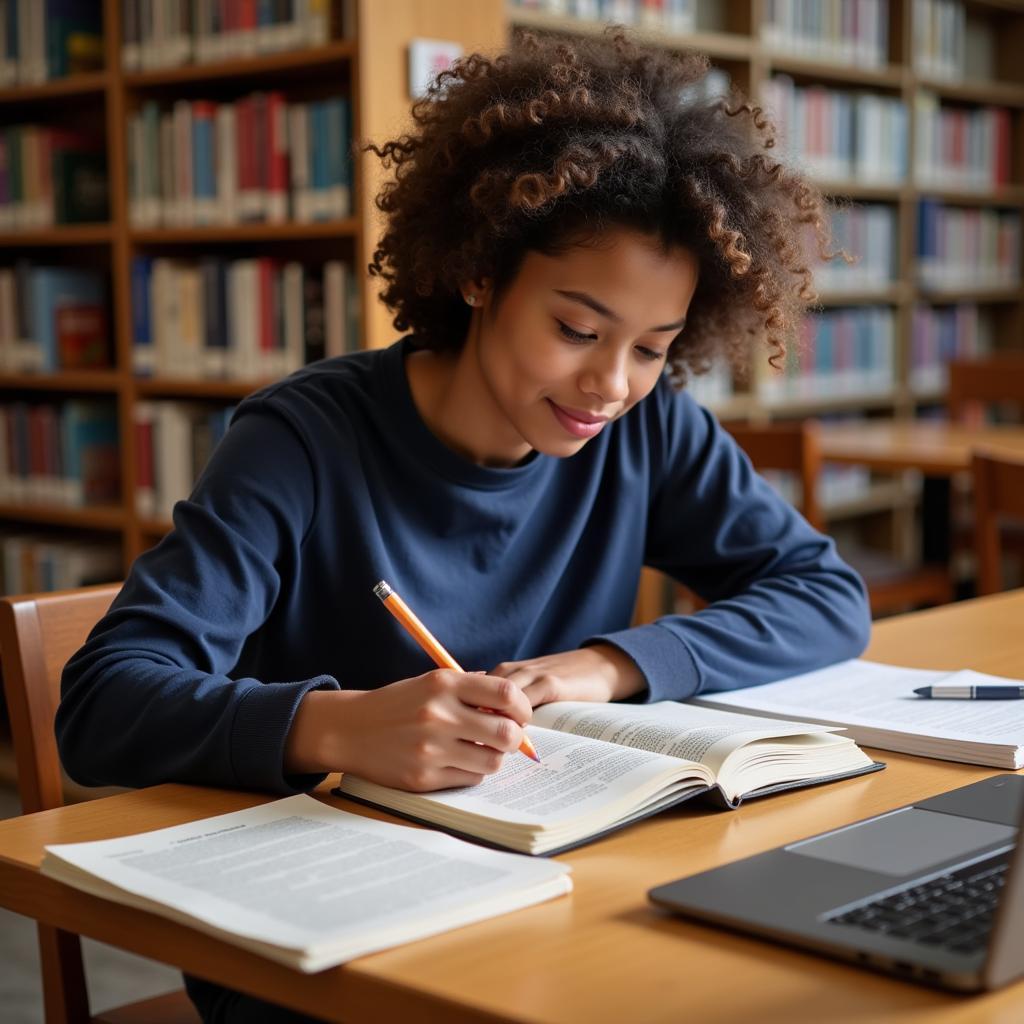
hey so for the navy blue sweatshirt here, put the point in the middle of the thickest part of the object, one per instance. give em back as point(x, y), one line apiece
point(329, 481)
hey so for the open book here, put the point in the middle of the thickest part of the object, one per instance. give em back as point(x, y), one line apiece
point(305, 884)
point(876, 705)
point(606, 765)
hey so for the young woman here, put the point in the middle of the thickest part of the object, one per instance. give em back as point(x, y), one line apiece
point(570, 233)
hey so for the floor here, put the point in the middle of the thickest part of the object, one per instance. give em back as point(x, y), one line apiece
point(113, 977)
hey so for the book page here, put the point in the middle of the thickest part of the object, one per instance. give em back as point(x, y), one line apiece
point(302, 876)
point(866, 693)
point(577, 777)
point(675, 730)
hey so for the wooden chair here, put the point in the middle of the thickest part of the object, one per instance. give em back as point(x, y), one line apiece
point(977, 386)
point(38, 634)
point(998, 484)
point(794, 447)
point(985, 382)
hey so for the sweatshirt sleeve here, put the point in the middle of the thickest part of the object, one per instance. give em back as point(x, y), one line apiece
point(781, 600)
point(149, 698)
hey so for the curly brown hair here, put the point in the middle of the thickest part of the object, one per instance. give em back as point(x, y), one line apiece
point(556, 140)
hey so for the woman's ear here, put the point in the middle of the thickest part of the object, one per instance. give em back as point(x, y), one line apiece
point(476, 293)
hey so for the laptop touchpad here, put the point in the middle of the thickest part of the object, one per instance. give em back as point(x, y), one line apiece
point(906, 842)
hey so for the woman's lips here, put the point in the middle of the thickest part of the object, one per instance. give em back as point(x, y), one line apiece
point(575, 426)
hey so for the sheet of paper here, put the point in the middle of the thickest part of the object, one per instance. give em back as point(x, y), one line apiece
point(859, 692)
point(296, 873)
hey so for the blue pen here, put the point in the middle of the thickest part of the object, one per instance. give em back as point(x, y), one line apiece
point(972, 692)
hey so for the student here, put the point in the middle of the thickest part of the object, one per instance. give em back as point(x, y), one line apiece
point(570, 234)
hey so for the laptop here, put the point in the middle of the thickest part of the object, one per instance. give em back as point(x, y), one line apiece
point(932, 892)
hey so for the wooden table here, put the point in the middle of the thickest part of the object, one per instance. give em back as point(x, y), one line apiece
point(601, 954)
point(936, 448)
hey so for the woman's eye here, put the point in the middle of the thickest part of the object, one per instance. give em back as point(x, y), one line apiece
point(574, 335)
point(650, 353)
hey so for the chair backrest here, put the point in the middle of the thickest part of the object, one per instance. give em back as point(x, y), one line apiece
point(38, 633)
point(973, 382)
point(998, 496)
point(791, 447)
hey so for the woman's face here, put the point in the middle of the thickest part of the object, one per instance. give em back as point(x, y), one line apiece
point(577, 339)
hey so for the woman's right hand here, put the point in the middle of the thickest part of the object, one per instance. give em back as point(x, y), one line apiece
point(418, 734)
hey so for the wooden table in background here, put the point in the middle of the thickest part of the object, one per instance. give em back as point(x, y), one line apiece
point(601, 954)
point(936, 448)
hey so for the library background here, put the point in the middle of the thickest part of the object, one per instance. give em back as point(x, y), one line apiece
point(183, 218)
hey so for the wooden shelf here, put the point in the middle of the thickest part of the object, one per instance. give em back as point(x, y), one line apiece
point(945, 296)
point(1007, 196)
point(305, 62)
point(891, 77)
point(868, 193)
point(286, 232)
point(999, 94)
point(175, 387)
point(825, 404)
point(155, 527)
point(87, 517)
point(69, 380)
point(723, 45)
point(92, 84)
point(867, 297)
point(61, 234)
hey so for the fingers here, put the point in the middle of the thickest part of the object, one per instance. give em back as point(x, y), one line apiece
point(539, 685)
point(500, 695)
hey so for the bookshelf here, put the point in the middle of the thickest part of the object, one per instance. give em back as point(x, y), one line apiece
point(904, 55)
point(746, 40)
point(361, 56)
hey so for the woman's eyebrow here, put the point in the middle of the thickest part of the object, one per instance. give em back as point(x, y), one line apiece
point(603, 310)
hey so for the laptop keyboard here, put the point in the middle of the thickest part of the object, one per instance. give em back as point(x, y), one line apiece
point(953, 911)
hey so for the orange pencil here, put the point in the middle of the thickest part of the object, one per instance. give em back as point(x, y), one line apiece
point(426, 640)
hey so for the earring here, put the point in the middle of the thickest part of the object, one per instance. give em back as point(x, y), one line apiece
point(471, 300)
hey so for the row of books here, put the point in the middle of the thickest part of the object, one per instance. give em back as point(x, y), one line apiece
point(53, 318)
point(846, 31)
point(663, 15)
point(169, 33)
point(31, 563)
point(173, 442)
point(244, 319)
point(45, 39)
point(51, 176)
point(839, 135)
point(868, 235)
point(941, 333)
point(256, 159)
point(964, 247)
point(59, 454)
point(951, 44)
point(956, 147)
point(837, 485)
point(840, 352)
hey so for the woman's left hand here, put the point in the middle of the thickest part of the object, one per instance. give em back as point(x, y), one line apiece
point(598, 673)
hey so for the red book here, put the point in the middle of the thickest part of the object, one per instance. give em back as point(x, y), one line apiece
point(277, 157)
point(82, 337)
point(266, 314)
point(145, 482)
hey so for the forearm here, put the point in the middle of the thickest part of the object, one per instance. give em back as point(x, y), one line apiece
point(781, 625)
